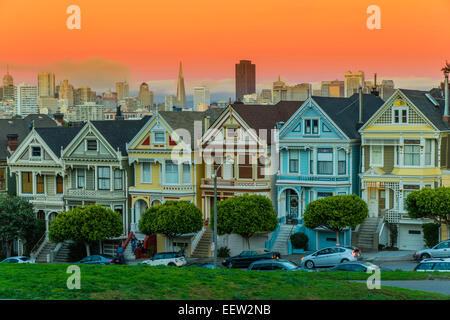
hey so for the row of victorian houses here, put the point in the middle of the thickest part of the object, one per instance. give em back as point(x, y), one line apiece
point(292, 152)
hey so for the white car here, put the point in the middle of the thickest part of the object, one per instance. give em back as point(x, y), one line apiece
point(166, 259)
point(19, 259)
point(437, 264)
point(329, 257)
point(441, 250)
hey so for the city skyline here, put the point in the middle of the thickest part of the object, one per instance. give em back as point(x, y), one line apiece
point(332, 42)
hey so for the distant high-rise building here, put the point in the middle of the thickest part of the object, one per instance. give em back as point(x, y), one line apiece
point(386, 89)
point(352, 81)
point(84, 94)
point(46, 84)
point(181, 93)
point(48, 105)
point(26, 99)
point(89, 111)
point(283, 92)
point(66, 91)
point(336, 89)
point(266, 94)
point(201, 96)
point(145, 95)
point(245, 78)
point(170, 102)
point(122, 90)
point(8, 86)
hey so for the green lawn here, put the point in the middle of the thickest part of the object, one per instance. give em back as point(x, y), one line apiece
point(48, 281)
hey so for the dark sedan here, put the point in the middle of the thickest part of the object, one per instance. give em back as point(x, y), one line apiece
point(245, 258)
point(99, 259)
point(361, 266)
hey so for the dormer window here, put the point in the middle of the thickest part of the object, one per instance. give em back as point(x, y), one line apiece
point(159, 137)
point(91, 145)
point(36, 152)
point(311, 126)
point(400, 115)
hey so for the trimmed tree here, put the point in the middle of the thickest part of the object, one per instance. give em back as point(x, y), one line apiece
point(86, 224)
point(172, 219)
point(336, 213)
point(245, 215)
point(430, 203)
point(17, 221)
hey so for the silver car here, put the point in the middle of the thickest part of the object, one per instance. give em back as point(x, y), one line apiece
point(329, 257)
point(18, 259)
point(441, 250)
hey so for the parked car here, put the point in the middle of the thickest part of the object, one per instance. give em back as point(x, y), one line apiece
point(273, 264)
point(19, 259)
point(245, 258)
point(200, 265)
point(437, 264)
point(358, 250)
point(98, 259)
point(329, 257)
point(441, 250)
point(361, 266)
point(166, 259)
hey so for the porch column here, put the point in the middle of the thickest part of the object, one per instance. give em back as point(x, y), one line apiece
point(111, 179)
point(133, 223)
point(47, 223)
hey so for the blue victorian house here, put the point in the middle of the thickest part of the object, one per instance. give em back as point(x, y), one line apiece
point(320, 156)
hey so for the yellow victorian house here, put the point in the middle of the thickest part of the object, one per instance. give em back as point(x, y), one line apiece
point(165, 168)
point(405, 147)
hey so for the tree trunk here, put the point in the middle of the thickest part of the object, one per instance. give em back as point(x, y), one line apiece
point(337, 238)
point(88, 249)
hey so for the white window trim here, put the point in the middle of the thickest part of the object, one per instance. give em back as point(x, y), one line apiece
point(289, 162)
point(142, 173)
point(378, 165)
point(154, 137)
point(318, 126)
point(34, 158)
point(400, 109)
point(86, 145)
point(421, 154)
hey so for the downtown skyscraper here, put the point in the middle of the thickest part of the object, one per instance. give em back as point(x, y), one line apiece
point(245, 79)
point(181, 93)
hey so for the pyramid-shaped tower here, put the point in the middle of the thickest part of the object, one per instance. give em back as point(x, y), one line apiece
point(181, 93)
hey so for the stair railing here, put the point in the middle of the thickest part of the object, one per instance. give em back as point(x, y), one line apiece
point(128, 240)
point(38, 246)
point(270, 243)
point(196, 239)
point(54, 252)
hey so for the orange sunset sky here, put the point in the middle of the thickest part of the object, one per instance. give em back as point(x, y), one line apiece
point(301, 40)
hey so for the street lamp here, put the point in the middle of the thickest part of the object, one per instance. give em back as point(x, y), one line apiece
point(228, 161)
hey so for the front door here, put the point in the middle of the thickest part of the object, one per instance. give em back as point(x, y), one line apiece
point(373, 202)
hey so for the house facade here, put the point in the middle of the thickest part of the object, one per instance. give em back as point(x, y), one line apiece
point(405, 148)
point(240, 146)
point(319, 157)
point(163, 161)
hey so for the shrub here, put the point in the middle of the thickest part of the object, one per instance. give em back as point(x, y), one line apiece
point(430, 234)
point(223, 252)
point(299, 240)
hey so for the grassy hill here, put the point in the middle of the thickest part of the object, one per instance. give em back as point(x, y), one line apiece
point(48, 281)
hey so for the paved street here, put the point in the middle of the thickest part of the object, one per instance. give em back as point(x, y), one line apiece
point(434, 286)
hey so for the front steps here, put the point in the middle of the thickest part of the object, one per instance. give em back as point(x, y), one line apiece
point(45, 251)
point(203, 246)
point(366, 234)
point(282, 240)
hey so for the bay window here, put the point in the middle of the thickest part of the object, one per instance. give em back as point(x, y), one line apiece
point(376, 156)
point(146, 172)
point(171, 172)
point(324, 161)
point(104, 178)
point(293, 161)
point(80, 178)
point(118, 180)
point(342, 162)
point(186, 173)
point(412, 153)
point(428, 150)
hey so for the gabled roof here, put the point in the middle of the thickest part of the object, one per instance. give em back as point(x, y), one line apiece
point(427, 107)
point(119, 132)
point(57, 138)
point(185, 119)
point(344, 112)
point(21, 127)
point(266, 116)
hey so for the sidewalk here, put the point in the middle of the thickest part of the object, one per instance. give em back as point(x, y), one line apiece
point(400, 255)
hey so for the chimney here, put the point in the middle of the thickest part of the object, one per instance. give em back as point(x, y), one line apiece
point(360, 105)
point(12, 141)
point(59, 118)
point(207, 122)
point(446, 111)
